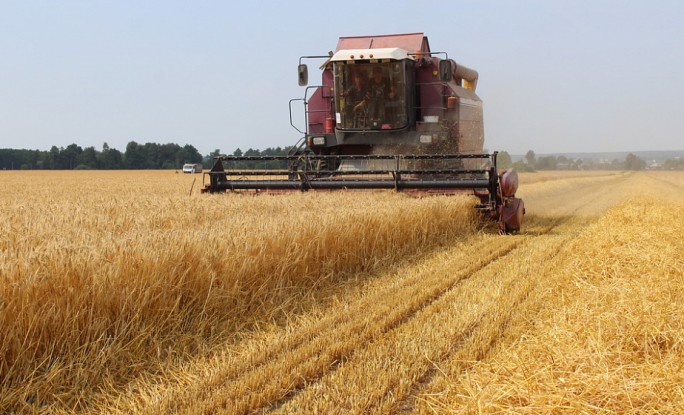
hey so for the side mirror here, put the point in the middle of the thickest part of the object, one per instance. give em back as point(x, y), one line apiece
point(445, 70)
point(303, 74)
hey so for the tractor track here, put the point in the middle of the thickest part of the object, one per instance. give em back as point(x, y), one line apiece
point(387, 402)
point(268, 376)
point(407, 404)
point(337, 348)
point(467, 332)
point(571, 225)
point(298, 347)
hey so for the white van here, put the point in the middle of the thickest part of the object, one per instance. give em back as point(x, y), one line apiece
point(192, 168)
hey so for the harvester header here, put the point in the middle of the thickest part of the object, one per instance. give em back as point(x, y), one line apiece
point(389, 113)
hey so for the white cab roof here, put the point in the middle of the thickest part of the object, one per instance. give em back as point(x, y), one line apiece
point(365, 54)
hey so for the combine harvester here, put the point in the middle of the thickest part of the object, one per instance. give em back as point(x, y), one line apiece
point(389, 114)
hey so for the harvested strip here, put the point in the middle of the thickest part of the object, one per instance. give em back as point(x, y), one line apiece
point(610, 340)
point(468, 319)
point(212, 382)
point(310, 351)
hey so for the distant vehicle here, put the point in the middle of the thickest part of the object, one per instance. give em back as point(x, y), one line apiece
point(192, 168)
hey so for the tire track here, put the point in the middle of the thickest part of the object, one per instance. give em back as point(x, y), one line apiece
point(525, 304)
point(469, 331)
point(300, 344)
point(381, 398)
point(268, 375)
point(440, 397)
point(284, 375)
point(500, 316)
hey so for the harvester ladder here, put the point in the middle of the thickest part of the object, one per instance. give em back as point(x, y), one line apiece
point(444, 95)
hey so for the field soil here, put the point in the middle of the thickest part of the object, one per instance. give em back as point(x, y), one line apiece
point(418, 307)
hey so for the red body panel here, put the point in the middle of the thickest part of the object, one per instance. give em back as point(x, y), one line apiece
point(320, 104)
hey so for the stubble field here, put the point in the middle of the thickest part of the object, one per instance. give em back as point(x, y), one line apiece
point(126, 292)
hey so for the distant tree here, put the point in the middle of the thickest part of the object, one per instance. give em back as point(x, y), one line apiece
point(531, 159)
point(633, 162)
point(70, 156)
point(546, 163)
point(503, 160)
point(166, 156)
point(53, 160)
point(564, 163)
point(674, 164)
point(88, 158)
point(616, 164)
point(135, 156)
point(11, 159)
point(522, 166)
point(272, 164)
point(110, 158)
point(237, 152)
point(250, 164)
point(209, 158)
point(192, 155)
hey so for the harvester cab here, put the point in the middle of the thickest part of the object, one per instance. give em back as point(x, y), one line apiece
point(389, 114)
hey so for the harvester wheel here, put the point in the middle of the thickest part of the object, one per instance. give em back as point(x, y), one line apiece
point(511, 215)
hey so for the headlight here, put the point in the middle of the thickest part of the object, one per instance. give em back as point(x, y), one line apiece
point(319, 141)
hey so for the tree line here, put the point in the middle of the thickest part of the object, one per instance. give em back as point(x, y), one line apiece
point(532, 162)
point(173, 156)
point(73, 156)
point(136, 156)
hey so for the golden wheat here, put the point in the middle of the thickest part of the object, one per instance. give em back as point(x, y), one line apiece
point(345, 356)
point(104, 272)
point(125, 292)
point(607, 332)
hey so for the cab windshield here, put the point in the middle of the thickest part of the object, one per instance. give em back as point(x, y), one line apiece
point(370, 95)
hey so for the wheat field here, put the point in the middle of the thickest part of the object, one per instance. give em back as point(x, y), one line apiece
point(131, 292)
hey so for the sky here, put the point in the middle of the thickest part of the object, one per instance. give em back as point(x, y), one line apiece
point(555, 76)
